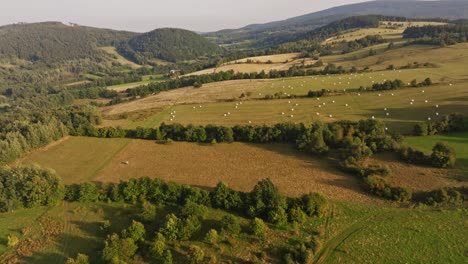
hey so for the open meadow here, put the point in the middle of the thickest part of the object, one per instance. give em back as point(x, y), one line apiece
point(458, 141)
point(352, 233)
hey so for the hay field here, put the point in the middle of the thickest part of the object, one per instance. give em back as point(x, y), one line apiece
point(279, 62)
point(401, 114)
point(450, 70)
point(240, 165)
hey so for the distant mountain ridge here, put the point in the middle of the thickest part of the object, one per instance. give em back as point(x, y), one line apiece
point(262, 33)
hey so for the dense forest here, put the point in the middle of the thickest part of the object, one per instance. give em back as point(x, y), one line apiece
point(438, 35)
point(52, 42)
point(168, 44)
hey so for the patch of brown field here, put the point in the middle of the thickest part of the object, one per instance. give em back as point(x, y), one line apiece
point(239, 165)
point(209, 93)
point(416, 178)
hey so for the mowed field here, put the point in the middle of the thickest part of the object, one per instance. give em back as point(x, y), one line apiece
point(239, 165)
point(449, 93)
point(279, 62)
point(458, 141)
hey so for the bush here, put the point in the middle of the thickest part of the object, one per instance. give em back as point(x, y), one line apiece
point(159, 246)
point(443, 156)
point(195, 254)
point(258, 227)
point(212, 237)
point(315, 204)
point(230, 224)
point(80, 259)
point(12, 240)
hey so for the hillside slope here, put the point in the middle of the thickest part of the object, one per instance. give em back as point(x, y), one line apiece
point(168, 44)
point(259, 34)
point(52, 42)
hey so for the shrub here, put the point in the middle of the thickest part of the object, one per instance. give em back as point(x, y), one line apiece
point(230, 224)
point(258, 227)
point(12, 240)
point(212, 237)
point(443, 156)
point(315, 204)
point(195, 254)
point(80, 259)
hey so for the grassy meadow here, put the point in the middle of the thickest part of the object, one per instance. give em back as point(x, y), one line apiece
point(458, 141)
point(351, 233)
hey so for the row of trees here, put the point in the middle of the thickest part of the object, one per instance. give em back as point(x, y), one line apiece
point(264, 201)
point(363, 43)
point(447, 124)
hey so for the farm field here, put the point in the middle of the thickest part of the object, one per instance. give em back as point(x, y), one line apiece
point(152, 110)
point(239, 165)
point(78, 158)
point(279, 62)
point(402, 115)
point(458, 141)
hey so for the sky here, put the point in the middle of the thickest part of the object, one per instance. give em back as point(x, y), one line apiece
point(145, 15)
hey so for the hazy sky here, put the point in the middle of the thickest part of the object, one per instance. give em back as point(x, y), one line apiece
point(145, 15)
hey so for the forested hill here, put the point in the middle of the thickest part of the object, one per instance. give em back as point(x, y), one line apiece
point(168, 44)
point(259, 34)
point(52, 42)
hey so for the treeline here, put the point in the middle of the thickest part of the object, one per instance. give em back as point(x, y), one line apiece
point(264, 201)
point(27, 187)
point(438, 35)
point(363, 43)
point(448, 124)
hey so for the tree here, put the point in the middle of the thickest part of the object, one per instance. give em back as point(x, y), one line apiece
point(148, 211)
point(170, 230)
point(159, 246)
point(80, 259)
point(225, 198)
point(443, 156)
point(195, 254)
point(135, 231)
point(420, 130)
point(118, 249)
point(212, 237)
point(258, 227)
point(230, 224)
point(167, 257)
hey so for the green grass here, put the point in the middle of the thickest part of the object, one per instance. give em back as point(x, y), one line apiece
point(14, 222)
point(89, 156)
point(354, 234)
point(458, 141)
point(403, 236)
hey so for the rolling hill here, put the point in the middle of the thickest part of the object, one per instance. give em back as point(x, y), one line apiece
point(168, 44)
point(257, 35)
point(52, 42)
